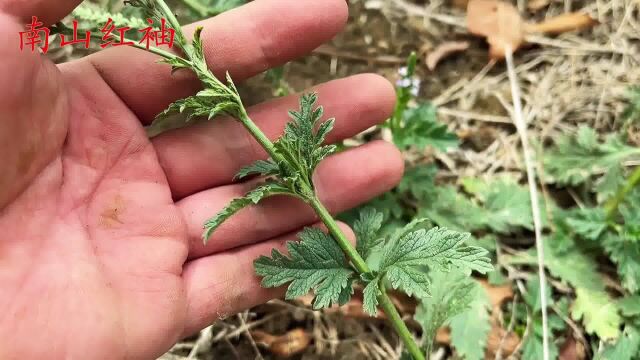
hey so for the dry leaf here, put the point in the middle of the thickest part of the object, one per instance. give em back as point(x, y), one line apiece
point(572, 350)
point(497, 294)
point(443, 51)
point(535, 5)
point(289, 344)
point(495, 342)
point(499, 22)
point(563, 23)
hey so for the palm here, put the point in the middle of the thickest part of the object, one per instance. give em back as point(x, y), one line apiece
point(100, 251)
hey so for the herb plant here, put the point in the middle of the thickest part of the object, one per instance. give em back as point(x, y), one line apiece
point(326, 263)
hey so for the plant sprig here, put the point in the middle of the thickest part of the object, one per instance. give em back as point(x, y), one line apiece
point(328, 264)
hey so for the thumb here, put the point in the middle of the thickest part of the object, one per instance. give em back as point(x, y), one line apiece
point(33, 108)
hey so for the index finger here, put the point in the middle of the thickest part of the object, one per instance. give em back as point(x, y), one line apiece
point(244, 41)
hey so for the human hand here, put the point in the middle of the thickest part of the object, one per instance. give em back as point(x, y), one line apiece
point(101, 253)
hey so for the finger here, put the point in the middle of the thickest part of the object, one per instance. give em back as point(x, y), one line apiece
point(342, 181)
point(46, 10)
point(224, 284)
point(245, 41)
point(211, 153)
point(33, 110)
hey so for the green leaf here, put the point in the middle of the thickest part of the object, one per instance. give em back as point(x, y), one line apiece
point(370, 297)
point(507, 204)
point(598, 312)
point(260, 167)
point(251, 198)
point(419, 181)
point(451, 295)
point(589, 223)
point(421, 129)
point(470, 329)
point(630, 306)
point(301, 145)
point(366, 229)
point(625, 253)
point(576, 158)
point(626, 348)
point(315, 263)
point(439, 248)
point(448, 208)
point(93, 17)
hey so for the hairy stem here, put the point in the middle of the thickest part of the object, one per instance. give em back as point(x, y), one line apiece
point(355, 258)
point(612, 205)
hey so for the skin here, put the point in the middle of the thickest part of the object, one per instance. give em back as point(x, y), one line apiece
point(100, 249)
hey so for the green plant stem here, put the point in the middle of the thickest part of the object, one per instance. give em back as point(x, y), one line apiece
point(386, 304)
point(612, 205)
point(339, 236)
point(197, 7)
point(399, 325)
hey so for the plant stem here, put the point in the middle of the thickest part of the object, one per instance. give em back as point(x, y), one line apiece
point(399, 325)
point(359, 263)
point(339, 236)
point(613, 204)
point(197, 7)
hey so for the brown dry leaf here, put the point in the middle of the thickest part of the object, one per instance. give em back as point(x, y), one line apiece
point(536, 5)
point(499, 22)
point(572, 350)
point(497, 294)
point(443, 51)
point(563, 23)
point(289, 344)
point(494, 341)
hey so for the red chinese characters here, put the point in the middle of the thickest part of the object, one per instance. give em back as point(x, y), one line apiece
point(37, 35)
point(33, 37)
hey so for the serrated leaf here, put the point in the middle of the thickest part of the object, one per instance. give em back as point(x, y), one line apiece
point(439, 248)
point(252, 197)
point(598, 312)
point(370, 297)
point(421, 129)
point(448, 208)
point(366, 229)
point(419, 181)
point(451, 295)
point(629, 306)
point(301, 145)
point(315, 263)
point(470, 329)
point(576, 158)
point(626, 348)
point(589, 223)
point(93, 17)
point(260, 167)
point(625, 253)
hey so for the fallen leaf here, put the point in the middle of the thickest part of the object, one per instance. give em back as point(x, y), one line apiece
point(536, 5)
point(495, 342)
point(572, 350)
point(497, 294)
point(499, 22)
point(289, 344)
point(563, 23)
point(444, 50)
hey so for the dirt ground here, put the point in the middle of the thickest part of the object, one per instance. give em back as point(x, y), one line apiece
point(567, 80)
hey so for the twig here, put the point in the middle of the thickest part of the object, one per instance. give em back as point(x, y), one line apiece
point(510, 327)
point(533, 194)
